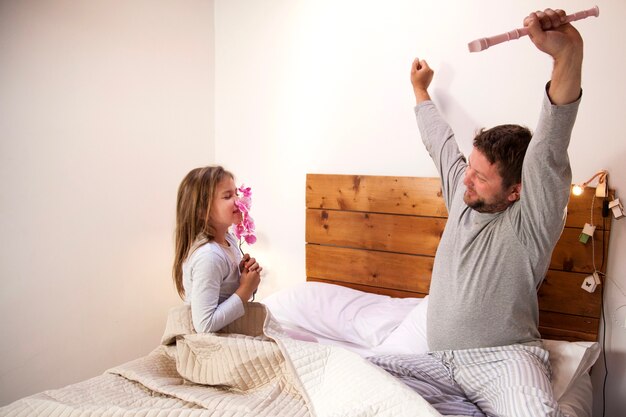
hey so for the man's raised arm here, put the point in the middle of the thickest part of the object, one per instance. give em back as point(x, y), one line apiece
point(550, 34)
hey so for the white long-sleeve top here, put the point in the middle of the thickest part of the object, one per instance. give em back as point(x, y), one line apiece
point(210, 278)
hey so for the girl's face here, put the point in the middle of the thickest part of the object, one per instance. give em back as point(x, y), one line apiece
point(224, 213)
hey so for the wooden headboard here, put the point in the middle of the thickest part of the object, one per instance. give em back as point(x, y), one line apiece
point(379, 234)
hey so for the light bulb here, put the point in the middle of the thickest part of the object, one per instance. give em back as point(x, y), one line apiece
point(577, 190)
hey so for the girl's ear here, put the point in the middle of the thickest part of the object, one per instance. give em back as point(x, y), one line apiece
point(515, 192)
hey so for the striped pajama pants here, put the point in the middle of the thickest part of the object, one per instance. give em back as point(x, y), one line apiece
point(512, 381)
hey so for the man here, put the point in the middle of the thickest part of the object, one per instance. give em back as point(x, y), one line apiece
point(504, 220)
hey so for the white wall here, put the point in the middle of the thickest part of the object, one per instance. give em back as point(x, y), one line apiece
point(104, 106)
point(323, 86)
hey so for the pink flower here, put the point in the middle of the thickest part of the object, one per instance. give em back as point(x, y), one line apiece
point(248, 223)
point(245, 191)
point(243, 206)
point(245, 229)
point(239, 230)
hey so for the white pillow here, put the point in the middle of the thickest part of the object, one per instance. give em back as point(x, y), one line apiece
point(569, 360)
point(578, 399)
point(339, 313)
point(410, 336)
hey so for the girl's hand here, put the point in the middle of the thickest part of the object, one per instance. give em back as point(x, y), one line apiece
point(242, 264)
point(249, 264)
point(248, 284)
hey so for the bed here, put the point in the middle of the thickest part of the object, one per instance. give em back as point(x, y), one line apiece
point(379, 234)
point(303, 351)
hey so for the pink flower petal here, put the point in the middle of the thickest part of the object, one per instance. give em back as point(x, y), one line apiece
point(244, 229)
point(246, 191)
point(241, 207)
point(246, 201)
point(248, 223)
point(239, 230)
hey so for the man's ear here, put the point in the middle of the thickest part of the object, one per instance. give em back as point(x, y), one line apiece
point(514, 193)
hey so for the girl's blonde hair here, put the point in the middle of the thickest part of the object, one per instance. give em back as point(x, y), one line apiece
point(193, 212)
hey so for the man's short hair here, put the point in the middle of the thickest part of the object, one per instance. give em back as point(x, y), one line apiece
point(505, 146)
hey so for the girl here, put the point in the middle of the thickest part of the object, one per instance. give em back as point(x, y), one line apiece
point(209, 271)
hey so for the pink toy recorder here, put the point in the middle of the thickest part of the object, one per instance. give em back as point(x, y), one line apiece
point(484, 43)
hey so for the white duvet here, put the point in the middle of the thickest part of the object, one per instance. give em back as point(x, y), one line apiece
point(250, 369)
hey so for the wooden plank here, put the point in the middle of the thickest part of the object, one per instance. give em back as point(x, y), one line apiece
point(567, 335)
point(393, 233)
point(415, 195)
point(373, 269)
point(373, 290)
point(558, 326)
point(579, 210)
point(572, 255)
point(377, 194)
point(560, 292)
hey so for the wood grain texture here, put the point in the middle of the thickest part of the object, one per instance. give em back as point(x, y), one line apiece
point(568, 325)
point(371, 268)
point(393, 233)
point(393, 195)
point(561, 293)
point(376, 290)
point(573, 256)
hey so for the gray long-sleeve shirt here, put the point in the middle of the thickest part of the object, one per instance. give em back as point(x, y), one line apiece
point(488, 267)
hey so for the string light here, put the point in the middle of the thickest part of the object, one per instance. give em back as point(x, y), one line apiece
point(577, 190)
point(601, 188)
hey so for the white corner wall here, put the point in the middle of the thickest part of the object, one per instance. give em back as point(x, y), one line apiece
point(323, 86)
point(104, 107)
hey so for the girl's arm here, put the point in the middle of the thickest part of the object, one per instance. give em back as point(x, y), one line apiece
point(208, 271)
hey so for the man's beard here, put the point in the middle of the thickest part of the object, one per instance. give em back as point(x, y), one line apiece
point(481, 206)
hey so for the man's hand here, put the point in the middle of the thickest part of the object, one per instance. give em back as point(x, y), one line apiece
point(550, 34)
point(421, 76)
